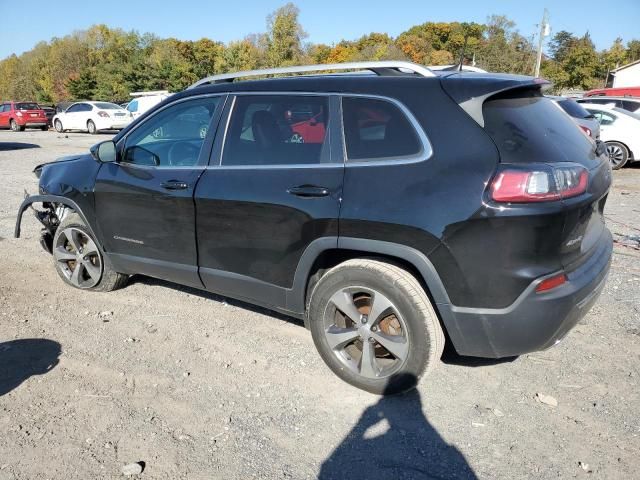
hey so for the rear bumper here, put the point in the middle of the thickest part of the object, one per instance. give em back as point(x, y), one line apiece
point(534, 321)
point(36, 124)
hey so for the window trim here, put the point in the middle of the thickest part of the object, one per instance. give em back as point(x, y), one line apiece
point(426, 150)
point(203, 158)
point(281, 166)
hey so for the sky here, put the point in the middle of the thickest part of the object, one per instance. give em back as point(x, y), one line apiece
point(326, 21)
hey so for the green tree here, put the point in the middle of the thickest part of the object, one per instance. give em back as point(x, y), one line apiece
point(284, 36)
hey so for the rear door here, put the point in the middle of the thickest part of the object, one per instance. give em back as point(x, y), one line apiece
point(144, 202)
point(4, 115)
point(273, 187)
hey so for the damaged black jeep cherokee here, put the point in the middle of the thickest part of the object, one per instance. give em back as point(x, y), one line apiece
point(387, 207)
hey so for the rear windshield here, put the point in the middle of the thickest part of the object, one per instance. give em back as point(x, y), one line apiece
point(107, 106)
point(27, 106)
point(574, 109)
point(527, 128)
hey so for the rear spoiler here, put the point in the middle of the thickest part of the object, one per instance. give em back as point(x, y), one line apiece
point(470, 90)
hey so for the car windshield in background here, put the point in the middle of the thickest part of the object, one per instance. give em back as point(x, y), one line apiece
point(27, 106)
point(574, 109)
point(107, 106)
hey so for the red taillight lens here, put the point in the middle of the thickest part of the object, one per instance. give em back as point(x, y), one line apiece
point(551, 283)
point(103, 114)
point(585, 130)
point(538, 184)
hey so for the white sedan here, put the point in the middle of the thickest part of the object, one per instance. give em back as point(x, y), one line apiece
point(620, 130)
point(92, 117)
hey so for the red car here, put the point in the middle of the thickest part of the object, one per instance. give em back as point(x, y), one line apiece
point(20, 115)
point(614, 92)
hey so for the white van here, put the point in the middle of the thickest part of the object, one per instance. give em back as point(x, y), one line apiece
point(144, 101)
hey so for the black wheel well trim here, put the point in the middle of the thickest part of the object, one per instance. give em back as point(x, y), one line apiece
point(296, 296)
point(31, 199)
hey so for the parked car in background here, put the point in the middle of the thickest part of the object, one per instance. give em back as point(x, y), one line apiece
point(144, 101)
point(92, 117)
point(585, 120)
point(381, 230)
point(50, 112)
point(626, 103)
point(20, 115)
point(620, 130)
point(614, 92)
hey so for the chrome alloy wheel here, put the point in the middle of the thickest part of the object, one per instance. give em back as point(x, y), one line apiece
point(366, 332)
point(78, 258)
point(616, 154)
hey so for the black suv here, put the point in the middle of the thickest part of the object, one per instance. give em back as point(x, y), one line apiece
point(390, 208)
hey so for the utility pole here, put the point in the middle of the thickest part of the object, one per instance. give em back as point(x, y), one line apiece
point(544, 31)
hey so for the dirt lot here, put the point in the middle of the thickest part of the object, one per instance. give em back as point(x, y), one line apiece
point(197, 386)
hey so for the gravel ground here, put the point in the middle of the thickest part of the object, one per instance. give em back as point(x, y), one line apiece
point(197, 386)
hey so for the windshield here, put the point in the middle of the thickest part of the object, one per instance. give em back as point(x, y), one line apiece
point(107, 106)
point(574, 109)
point(27, 106)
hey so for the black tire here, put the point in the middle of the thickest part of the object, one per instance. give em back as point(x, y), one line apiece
point(108, 280)
point(58, 126)
point(44, 129)
point(415, 316)
point(618, 154)
point(91, 127)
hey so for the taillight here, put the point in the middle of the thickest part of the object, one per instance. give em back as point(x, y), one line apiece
point(103, 114)
point(586, 130)
point(551, 283)
point(18, 114)
point(538, 183)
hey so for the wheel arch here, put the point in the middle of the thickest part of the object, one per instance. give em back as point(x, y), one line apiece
point(324, 254)
point(31, 199)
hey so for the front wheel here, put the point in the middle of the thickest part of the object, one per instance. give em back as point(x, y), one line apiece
point(58, 126)
point(618, 154)
point(91, 127)
point(78, 259)
point(374, 326)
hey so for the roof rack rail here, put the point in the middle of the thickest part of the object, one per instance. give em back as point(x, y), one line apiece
point(382, 68)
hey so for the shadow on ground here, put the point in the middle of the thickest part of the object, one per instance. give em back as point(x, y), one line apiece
point(394, 440)
point(24, 358)
point(7, 146)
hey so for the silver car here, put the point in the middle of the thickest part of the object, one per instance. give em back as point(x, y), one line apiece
point(585, 120)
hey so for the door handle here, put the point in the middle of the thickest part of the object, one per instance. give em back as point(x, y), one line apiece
point(308, 191)
point(174, 185)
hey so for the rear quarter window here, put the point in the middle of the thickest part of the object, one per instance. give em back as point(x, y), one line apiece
point(528, 128)
point(376, 129)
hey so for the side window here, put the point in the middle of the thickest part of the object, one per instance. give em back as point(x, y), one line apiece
point(3, 108)
point(173, 137)
point(278, 130)
point(85, 107)
point(377, 129)
point(631, 106)
point(74, 108)
point(133, 106)
point(607, 119)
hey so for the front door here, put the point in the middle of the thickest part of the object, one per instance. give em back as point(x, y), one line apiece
point(272, 188)
point(144, 202)
point(5, 109)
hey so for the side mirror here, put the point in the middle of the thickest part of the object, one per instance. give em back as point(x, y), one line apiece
point(105, 152)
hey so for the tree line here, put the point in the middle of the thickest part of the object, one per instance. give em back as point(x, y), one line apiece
point(105, 63)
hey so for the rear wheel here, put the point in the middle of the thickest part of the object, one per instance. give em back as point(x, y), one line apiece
point(374, 326)
point(15, 127)
point(618, 154)
point(58, 126)
point(78, 259)
point(44, 129)
point(91, 127)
